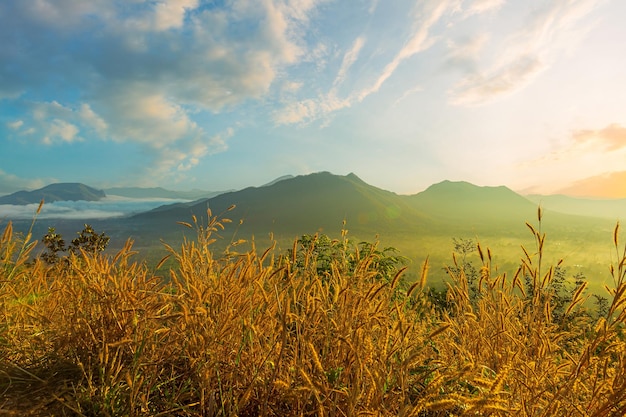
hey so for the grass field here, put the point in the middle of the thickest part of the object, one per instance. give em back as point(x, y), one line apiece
point(261, 331)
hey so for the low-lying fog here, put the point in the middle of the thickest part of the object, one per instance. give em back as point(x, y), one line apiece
point(108, 207)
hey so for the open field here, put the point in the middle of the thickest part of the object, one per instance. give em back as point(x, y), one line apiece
point(249, 332)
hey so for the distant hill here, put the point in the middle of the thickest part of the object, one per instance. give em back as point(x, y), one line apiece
point(464, 206)
point(321, 201)
point(158, 192)
point(54, 192)
point(303, 204)
point(460, 199)
point(613, 209)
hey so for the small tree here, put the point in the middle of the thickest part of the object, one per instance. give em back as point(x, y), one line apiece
point(54, 244)
point(322, 252)
point(88, 241)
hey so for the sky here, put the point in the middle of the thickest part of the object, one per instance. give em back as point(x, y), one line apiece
point(220, 95)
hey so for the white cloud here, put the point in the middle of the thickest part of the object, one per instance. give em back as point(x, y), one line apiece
point(408, 93)
point(483, 6)
point(54, 123)
point(10, 183)
point(138, 115)
point(373, 7)
point(290, 87)
point(60, 130)
point(481, 88)
point(418, 42)
point(464, 53)
point(545, 36)
point(15, 125)
point(89, 117)
point(170, 14)
point(348, 59)
point(146, 69)
point(612, 137)
point(306, 110)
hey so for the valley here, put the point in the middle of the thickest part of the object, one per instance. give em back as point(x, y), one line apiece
point(419, 226)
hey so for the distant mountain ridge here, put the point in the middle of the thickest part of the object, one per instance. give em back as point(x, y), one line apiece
point(54, 192)
point(450, 197)
point(159, 192)
point(322, 201)
point(606, 208)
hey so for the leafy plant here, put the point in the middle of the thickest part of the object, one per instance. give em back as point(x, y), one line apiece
point(88, 241)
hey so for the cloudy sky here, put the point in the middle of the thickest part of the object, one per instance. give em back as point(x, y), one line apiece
point(225, 94)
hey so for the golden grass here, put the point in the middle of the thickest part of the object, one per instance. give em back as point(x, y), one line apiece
point(259, 334)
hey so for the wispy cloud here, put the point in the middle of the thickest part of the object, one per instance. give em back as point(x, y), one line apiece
point(60, 130)
point(418, 42)
point(15, 124)
point(611, 138)
point(483, 6)
point(548, 33)
point(306, 110)
point(10, 183)
point(408, 93)
point(464, 54)
point(506, 79)
point(348, 59)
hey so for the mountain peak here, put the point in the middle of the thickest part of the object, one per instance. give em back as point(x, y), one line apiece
point(279, 179)
point(451, 198)
point(69, 191)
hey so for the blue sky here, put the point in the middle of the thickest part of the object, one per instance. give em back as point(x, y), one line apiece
point(226, 94)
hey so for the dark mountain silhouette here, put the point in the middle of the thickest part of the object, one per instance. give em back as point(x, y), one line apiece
point(54, 192)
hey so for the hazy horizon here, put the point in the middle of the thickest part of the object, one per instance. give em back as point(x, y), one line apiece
point(214, 95)
point(572, 192)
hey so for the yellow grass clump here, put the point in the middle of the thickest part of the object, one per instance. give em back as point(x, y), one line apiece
point(260, 334)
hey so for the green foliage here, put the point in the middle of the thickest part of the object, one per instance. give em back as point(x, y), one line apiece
point(321, 252)
point(88, 241)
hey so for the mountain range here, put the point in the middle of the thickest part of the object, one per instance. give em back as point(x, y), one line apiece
point(323, 201)
point(291, 206)
point(420, 224)
point(54, 192)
